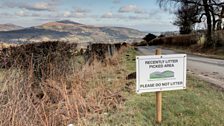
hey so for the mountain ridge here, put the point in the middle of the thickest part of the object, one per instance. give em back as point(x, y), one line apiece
point(66, 30)
point(9, 27)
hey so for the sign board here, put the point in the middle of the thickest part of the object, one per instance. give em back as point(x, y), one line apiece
point(160, 72)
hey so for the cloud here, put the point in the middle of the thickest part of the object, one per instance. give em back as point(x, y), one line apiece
point(107, 15)
point(131, 9)
point(78, 15)
point(21, 13)
point(36, 15)
point(39, 6)
point(118, 16)
point(75, 13)
point(111, 15)
point(81, 10)
point(138, 17)
point(5, 15)
point(68, 14)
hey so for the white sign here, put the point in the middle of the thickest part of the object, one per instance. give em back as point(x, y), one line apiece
point(160, 72)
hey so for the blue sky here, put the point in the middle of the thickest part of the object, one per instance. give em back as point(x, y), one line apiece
point(144, 15)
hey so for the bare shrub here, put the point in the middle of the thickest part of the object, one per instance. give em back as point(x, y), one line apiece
point(218, 38)
point(180, 40)
point(100, 51)
point(45, 58)
point(59, 99)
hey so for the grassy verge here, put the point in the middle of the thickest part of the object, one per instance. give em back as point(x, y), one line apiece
point(198, 105)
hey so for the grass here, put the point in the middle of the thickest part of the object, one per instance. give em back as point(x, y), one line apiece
point(199, 105)
point(1, 75)
point(128, 59)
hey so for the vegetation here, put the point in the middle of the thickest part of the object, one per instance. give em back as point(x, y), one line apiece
point(193, 43)
point(186, 16)
point(73, 93)
point(199, 105)
point(149, 37)
point(212, 10)
point(181, 40)
point(99, 94)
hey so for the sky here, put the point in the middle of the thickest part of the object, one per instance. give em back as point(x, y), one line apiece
point(144, 15)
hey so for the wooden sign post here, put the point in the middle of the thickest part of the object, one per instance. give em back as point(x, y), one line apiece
point(158, 99)
point(159, 73)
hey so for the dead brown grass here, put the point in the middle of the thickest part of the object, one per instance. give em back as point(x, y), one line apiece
point(61, 99)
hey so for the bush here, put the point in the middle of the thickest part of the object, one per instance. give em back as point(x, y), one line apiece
point(59, 97)
point(41, 57)
point(149, 37)
point(100, 51)
point(181, 40)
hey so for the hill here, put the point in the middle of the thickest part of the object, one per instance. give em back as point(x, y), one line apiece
point(66, 30)
point(8, 27)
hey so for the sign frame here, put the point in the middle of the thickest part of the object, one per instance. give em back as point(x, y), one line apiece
point(160, 57)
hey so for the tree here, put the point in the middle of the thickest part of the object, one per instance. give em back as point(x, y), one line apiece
point(219, 21)
point(149, 37)
point(210, 9)
point(186, 17)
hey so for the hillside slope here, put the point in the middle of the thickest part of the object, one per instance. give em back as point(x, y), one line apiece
point(9, 27)
point(71, 31)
